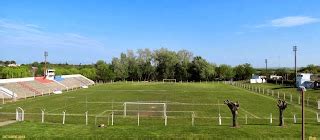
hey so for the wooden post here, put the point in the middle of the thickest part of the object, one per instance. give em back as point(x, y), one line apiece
point(284, 96)
point(278, 94)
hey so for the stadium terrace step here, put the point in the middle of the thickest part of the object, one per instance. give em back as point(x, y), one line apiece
point(29, 88)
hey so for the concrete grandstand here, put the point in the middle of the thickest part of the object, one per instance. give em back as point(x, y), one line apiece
point(34, 86)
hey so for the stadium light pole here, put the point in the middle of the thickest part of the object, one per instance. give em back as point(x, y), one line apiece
point(266, 61)
point(45, 62)
point(295, 64)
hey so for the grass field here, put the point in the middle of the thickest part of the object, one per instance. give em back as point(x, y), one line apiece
point(204, 99)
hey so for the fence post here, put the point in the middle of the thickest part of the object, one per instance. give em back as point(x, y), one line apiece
point(112, 118)
point(86, 117)
point(165, 120)
point(278, 94)
point(272, 93)
point(220, 119)
point(246, 119)
point(64, 117)
point(284, 96)
point(138, 119)
point(299, 100)
point(271, 118)
point(290, 97)
point(294, 118)
point(42, 116)
point(192, 121)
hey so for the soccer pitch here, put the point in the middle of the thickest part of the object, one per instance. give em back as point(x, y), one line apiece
point(192, 111)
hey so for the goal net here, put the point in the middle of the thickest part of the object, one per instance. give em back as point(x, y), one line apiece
point(145, 109)
point(169, 80)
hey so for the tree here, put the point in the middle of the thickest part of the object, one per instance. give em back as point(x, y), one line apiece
point(234, 110)
point(200, 69)
point(311, 69)
point(225, 72)
point(243, 72)
point(104, 73)
point(120, 67)
point(165, 62)
point(282, 105)
point(89, 73)
point(145, 68)
point(181, 68)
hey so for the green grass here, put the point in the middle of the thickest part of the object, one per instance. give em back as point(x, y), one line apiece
point(205, 100)
point(311, 95)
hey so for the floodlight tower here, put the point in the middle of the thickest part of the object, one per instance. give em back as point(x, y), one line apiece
point(266, 61)
point(295, 64)
point(45, 62)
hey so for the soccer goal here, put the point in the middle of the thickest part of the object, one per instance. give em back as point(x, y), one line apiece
point(145, 109)
point(169, 80)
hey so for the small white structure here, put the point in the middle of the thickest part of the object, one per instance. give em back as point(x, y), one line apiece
point(304, 79)
point(275, 77)
point(50, 74)
point(258, 79)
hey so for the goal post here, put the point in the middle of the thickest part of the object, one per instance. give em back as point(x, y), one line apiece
point(169, 80)
point(145, 108)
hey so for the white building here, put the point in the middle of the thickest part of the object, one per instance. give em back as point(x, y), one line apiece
point(50, 74)
point(258, 79)
point(304, 79)
point(275, 77)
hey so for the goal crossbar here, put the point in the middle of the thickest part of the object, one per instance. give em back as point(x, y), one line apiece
point(174, 80)
point(144, 103)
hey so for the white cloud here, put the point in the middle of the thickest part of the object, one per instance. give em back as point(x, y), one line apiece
point(21, 34)
point(290, 21)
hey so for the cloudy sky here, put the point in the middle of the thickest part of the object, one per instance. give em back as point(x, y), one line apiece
point(224, 32)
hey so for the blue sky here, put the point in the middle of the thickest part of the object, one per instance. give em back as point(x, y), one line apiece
point(223, 32)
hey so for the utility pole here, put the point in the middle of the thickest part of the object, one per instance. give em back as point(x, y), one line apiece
point(295, 64)
point(266, 61)
point(45, 62)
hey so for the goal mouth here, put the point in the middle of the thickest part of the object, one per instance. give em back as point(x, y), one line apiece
point(169, 80)
point(146, 109)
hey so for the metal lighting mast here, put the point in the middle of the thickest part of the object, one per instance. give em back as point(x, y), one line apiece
point(45, 62)
point(295, 64)
point(266, 61)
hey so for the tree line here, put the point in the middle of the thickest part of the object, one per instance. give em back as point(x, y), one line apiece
point(148, 65)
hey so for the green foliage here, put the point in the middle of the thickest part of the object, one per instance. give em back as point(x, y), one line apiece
point(103, 72)
point(225, 72)
point(243, 72)
point(14, 72)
